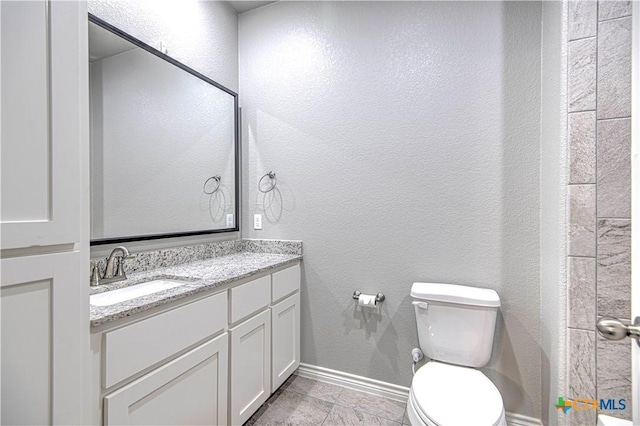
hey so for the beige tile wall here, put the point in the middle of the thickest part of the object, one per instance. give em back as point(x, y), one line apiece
point(599, 228)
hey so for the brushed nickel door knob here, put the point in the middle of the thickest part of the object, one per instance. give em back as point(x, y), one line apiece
point(614, 329)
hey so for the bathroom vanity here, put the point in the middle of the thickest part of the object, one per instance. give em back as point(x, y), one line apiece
point(209, 350)
point(194, 335)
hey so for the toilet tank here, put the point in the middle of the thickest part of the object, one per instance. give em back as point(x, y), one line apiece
point(455, 323)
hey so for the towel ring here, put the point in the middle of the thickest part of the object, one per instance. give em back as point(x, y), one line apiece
point(271, 176)
point(217, 179)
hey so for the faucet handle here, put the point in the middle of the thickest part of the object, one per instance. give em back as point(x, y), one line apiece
point(120, 272)
point(95, 276)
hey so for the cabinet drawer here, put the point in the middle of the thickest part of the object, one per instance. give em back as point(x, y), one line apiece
point(285, 282)
point(249, 298)
point(133, 348)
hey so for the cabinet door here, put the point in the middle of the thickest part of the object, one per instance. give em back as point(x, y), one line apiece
point(44, 246)
point(41, 348)
point(250, 366)
point(285, 344)
point(44, 69)
point(190, 390)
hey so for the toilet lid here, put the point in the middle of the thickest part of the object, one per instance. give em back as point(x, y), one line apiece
point(453, 395)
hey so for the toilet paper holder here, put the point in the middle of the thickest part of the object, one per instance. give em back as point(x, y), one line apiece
point(379, 297)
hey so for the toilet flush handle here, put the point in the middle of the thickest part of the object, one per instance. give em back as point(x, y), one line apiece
point(421, 305)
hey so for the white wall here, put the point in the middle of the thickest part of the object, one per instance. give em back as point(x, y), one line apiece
point(158, 133)
point(405, 137)
point(553, 177)
point(200, 34)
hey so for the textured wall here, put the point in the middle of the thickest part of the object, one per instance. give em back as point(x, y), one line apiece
point(599, 198)
point(405, 137)
point(200, 34)
point(553, 177)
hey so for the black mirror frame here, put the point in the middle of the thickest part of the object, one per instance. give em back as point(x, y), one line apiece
point(141, 44)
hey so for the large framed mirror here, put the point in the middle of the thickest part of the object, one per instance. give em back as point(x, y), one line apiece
point(164, 144)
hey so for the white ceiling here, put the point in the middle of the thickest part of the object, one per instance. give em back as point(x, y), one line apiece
point(103, 43)
point(245, 6)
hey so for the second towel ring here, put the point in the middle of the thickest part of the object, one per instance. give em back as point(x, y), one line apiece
point(271, 176)
point(217, 179)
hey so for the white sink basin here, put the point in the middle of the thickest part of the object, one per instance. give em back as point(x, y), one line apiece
point(127, 293)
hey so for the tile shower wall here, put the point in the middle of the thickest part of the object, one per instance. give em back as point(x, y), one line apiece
point(599, 229)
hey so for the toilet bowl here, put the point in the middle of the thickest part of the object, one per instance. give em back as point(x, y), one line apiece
point(456, 325)
point(450, 395)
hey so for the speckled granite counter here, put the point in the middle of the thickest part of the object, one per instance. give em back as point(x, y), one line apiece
point(201, 275)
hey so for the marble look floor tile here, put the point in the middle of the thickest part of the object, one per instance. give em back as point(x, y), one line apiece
point(613, 285)
point(582, 147)
point(610, 9)
point(582, 75)
point(614, 374)
point(583, 18)
point(405, 419)
point(372, 404)
point(582, 364)
point(614, 168)
point(258, 414)
point(614, 68)
point(324, 391)
point(581, 418)
point(582, 220)
point(292, 408)
point(582, 293)
point(341, 415)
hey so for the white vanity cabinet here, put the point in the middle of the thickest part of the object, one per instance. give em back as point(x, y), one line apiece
point(285, 325)
point(285, 340)
point(210, 360)
point(170, 377)
point(265, 349)
point(250, 378)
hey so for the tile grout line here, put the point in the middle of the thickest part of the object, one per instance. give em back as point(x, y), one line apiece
point(595, 302)
point(581, 38)
point(328, 413)
point(614, 118)
point(612, 19)
point(567, 109)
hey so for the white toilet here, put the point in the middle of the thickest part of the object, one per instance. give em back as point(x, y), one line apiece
point(455, 329)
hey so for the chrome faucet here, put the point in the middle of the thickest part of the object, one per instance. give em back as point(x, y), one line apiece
point(114, 271)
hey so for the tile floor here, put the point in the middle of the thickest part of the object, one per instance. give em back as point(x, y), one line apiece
point(302, 401)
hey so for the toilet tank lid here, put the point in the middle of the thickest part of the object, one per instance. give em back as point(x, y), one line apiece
point(451, 293)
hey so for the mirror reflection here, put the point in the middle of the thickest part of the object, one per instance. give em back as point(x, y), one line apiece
point(163, 144)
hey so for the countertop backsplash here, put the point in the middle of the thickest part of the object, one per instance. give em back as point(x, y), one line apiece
point(154, 259)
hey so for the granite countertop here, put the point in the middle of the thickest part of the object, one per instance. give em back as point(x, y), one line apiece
point(202, 275)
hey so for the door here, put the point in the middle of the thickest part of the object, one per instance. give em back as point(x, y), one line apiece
point(190, 390)
point(285, 343)
point(250, 378)
point(44, 309)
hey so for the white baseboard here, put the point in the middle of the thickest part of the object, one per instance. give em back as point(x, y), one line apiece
point(351, 381)
point(387, 390)
point(514, 419)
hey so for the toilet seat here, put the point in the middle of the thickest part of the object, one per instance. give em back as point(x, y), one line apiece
point(450, 395)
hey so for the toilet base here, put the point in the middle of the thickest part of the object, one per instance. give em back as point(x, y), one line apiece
point(416, 420)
